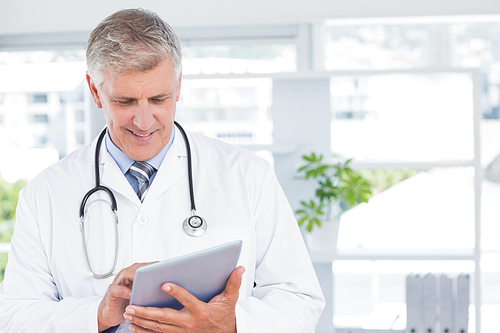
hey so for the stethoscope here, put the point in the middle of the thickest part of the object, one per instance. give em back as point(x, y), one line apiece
point(194, 225)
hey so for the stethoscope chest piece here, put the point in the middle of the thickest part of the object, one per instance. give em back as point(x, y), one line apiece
point(195, 226)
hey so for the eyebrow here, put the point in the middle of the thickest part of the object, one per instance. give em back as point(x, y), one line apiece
point(161, 96)
point(166, 95)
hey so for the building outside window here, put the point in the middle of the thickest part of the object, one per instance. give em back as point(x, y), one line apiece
point(37, 98)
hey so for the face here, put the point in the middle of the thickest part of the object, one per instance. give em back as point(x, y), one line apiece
point(139, 109)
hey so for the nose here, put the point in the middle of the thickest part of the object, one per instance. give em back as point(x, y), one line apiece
point(143, 117)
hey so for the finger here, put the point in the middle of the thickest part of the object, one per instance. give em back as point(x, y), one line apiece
point(145, 325)
point(234, 282)
point(118, 291)
point(163, 315)
point(139, 329)
point(126, 275)
point(152, 318)
point(190, 302)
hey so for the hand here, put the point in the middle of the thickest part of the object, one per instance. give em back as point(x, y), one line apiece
point(112, 306)
point(218, 315)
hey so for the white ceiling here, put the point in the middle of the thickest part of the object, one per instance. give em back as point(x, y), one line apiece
point(34, 16)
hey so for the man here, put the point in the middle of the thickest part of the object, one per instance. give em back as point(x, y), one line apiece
point(134, 75)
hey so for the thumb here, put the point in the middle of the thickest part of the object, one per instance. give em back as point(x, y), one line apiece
point(234, 282)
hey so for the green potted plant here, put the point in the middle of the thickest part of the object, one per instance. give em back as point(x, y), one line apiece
point(337, 188)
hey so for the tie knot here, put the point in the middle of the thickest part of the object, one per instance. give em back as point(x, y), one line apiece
point(142, 171)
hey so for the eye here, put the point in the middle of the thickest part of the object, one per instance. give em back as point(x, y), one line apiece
point(159, 100)
point(124, 102)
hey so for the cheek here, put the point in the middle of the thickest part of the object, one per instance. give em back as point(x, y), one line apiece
point(166, 114)
point(117, 117)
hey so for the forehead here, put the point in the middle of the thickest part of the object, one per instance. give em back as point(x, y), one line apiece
point(160, 79)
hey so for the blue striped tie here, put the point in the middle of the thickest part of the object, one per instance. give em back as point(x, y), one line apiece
point(142, 171)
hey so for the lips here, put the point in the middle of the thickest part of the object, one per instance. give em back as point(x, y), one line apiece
point(141, 136)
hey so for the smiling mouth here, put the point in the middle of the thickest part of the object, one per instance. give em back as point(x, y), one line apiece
point(142, 135)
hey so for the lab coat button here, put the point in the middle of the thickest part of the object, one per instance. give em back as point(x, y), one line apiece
point(142, 219)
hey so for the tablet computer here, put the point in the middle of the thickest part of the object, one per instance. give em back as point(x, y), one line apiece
point(203, 273)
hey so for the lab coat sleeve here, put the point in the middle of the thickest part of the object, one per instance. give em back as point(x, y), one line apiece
point(29, 299)
point(287, 296)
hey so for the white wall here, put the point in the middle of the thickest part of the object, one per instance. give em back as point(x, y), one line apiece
point(28, 16)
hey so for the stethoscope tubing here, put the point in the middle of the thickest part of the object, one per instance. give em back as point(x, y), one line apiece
point(190, 167)
point(114, 208)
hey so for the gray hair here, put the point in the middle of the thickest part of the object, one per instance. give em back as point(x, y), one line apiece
point(131, 40)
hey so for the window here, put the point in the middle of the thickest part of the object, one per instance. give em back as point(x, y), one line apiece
point(475, 44)
point(43, 87)
point(38, 98)
point(79, 116)
point(404, 117)
point(38, 118)
point(419, 121)
point(234, 110)
point(422, 117)
point(80, 137)
point(40, 140)
point(377, 46)
point(239, 58)
point(32, 129)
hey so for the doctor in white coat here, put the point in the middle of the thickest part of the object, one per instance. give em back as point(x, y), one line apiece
point(134, 75)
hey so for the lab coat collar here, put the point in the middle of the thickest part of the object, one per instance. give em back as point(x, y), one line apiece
point(170, 172)
point(111, 175)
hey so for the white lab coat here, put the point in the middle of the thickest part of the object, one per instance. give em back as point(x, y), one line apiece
point(47, 288)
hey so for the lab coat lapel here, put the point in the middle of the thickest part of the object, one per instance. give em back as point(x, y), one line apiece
point(113, 177)
point(171, 170)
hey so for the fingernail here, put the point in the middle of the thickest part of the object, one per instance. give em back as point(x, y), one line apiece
point(132, 328)
point(167, 288)
point(128, 317)
point(130, 310)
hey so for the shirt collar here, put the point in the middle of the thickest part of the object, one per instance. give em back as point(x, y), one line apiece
point(124, 162)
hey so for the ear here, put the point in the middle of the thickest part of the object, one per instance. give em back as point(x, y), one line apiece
point(93, 91)
point(178, 89)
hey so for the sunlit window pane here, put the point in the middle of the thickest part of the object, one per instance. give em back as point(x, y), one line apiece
point(430, 210)
point(403, 117)
point(233, 110)
point(474, 44)
point(239, 58)
point(490, 216)
point(42, 56)
point(376, 46)
point(40, 92)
